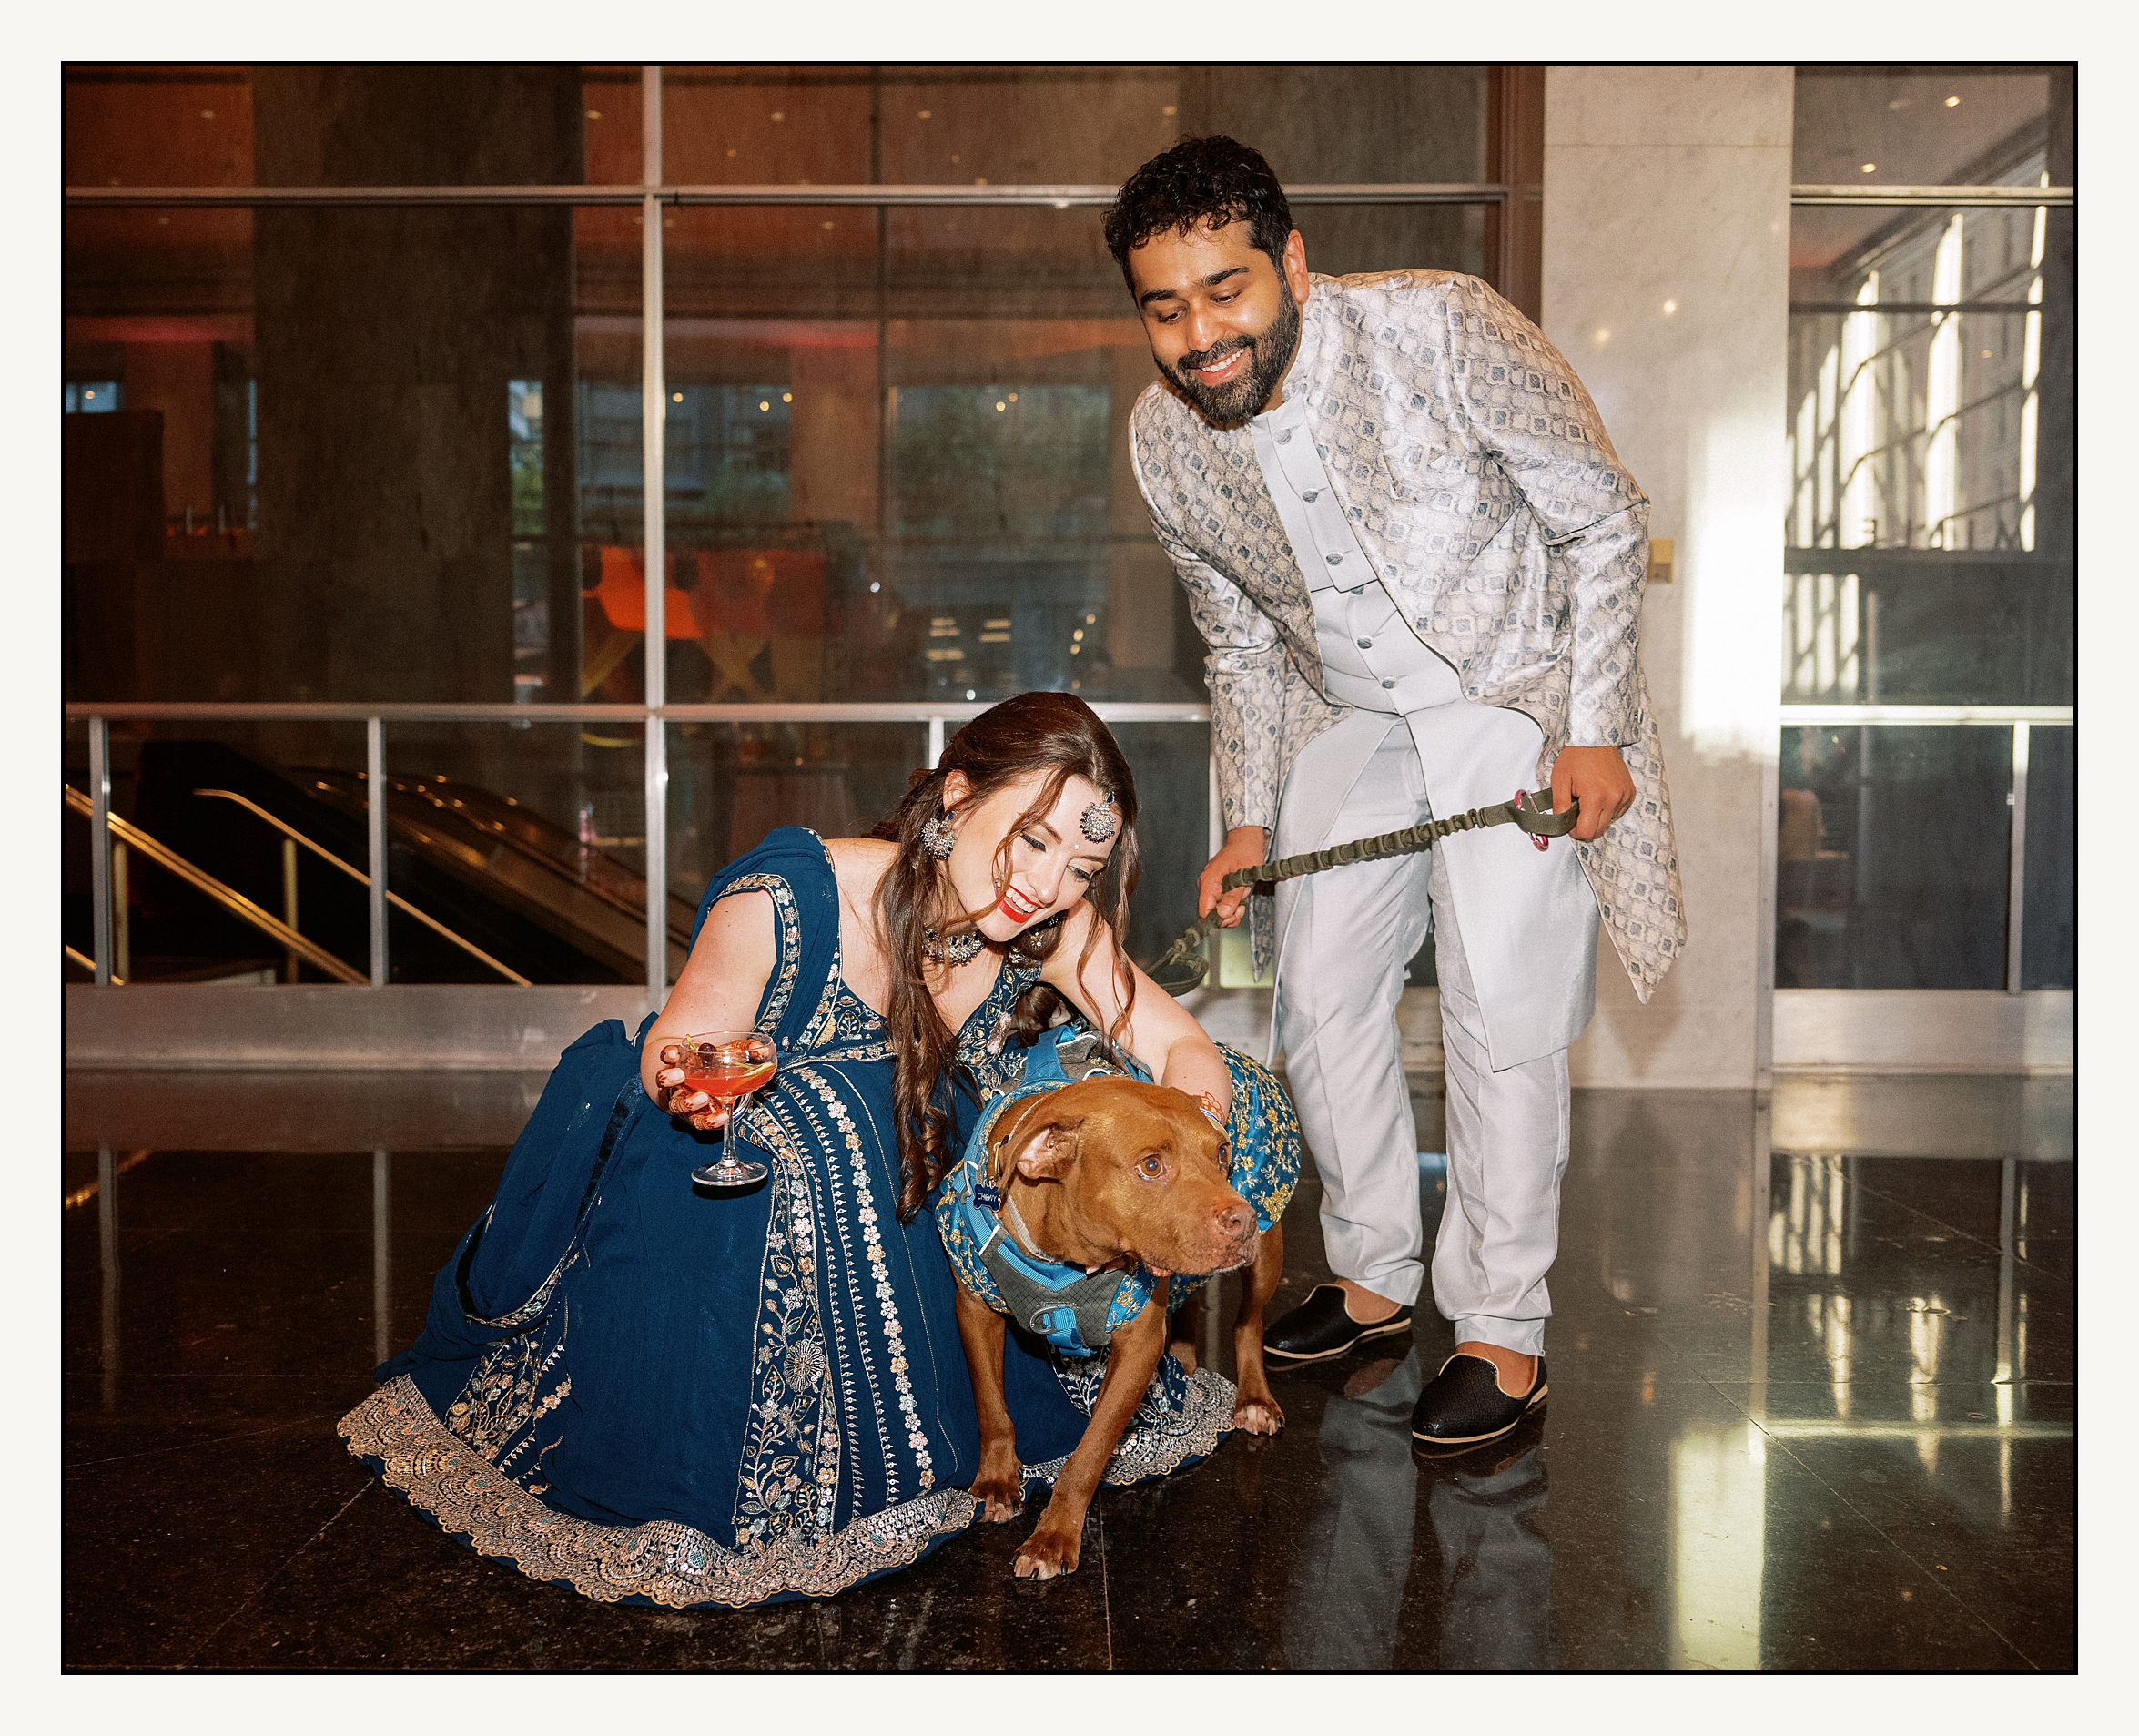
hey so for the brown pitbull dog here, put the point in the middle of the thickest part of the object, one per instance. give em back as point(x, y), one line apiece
point(1109, 1172)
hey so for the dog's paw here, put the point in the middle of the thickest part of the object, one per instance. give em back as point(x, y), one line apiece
point(1048, 1554)
point(999, 1498)
point(1258, 1416)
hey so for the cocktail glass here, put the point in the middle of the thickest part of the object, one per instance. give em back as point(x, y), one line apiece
point(728, 1066)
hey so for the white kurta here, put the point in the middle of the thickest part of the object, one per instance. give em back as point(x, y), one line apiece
point(1529, 919)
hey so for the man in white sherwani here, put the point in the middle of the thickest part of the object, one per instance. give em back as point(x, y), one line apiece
point(1417, 563)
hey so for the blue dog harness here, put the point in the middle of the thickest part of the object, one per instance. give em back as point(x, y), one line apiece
point(1075, 1311)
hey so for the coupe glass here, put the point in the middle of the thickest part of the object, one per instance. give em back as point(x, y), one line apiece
point(727, 1066)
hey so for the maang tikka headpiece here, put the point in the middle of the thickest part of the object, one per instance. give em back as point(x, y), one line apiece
point(1100, 821)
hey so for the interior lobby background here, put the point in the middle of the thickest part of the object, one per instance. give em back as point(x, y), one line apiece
point(331, 449)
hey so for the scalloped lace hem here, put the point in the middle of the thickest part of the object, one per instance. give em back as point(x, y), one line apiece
point(663, 1561)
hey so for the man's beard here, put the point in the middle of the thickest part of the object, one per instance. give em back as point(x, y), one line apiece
point(1249, 393)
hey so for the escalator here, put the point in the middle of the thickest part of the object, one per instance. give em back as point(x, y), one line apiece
point(481, 889)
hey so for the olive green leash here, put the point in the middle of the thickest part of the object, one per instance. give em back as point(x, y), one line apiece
point(1186, 963)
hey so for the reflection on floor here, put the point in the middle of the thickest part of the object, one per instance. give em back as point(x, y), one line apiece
point(1811, 1409)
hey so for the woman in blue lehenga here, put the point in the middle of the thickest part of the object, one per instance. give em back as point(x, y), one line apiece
point(654, 1393)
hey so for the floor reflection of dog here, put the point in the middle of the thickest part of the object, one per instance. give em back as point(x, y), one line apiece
point(1103, 1173)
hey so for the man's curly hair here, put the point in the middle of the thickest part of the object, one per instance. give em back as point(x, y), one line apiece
point(1200, 182)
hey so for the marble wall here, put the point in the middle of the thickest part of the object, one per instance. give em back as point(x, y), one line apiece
point(1665, 284)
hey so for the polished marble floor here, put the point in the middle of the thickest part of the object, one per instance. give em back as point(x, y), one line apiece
point(1812, 1408)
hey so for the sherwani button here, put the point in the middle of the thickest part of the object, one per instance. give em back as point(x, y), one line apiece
point(1312, 494)
point(1366, 644)
point(1385, 684)
point(1334, 559)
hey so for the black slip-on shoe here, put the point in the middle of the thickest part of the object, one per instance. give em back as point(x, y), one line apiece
point(1319, 1330)
point(1463, 1406)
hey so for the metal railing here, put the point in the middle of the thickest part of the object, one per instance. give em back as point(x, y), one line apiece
point(105, 825)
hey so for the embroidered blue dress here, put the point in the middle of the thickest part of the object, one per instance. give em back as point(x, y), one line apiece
point(652, 1395)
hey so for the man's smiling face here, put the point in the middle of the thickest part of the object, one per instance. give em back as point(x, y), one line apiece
point(1223, 322)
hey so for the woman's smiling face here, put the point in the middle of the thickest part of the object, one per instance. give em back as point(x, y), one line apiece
point(1050, 865)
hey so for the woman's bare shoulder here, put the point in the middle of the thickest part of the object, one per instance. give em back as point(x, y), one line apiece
point(859, 863)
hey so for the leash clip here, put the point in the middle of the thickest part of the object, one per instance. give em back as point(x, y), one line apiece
point(1541, 823)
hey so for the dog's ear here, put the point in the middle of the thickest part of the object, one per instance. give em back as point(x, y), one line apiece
point(1049, 1149)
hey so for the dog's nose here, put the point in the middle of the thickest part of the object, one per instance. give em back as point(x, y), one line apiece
point(1236, 1222)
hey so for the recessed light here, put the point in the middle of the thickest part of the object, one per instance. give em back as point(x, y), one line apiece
point(1013, 397)
point(1168, 109)
point(780, 113)
point(677, 396)
point(763, 404)
point(787, 396)
point(828, 224)
point(1671, 306)
point(1952, 102)
point(1603, 335)
point(207, 114)
point(731, 153)
point(1000, 405)
point(1868, 168)
point(928, 113)
point(593, 114)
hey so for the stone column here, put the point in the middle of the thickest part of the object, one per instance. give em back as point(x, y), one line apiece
point(1665, 283)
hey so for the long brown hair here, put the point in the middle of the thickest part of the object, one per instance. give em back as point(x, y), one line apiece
point(1056, 733)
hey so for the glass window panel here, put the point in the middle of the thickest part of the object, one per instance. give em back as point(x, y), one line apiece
point(1171, 763)
point(2049, 933)
point(211, 793)
point(1078, 125)
point(731, 784)
point(938, 500)
point(409, 124)
point(1917, 126)
point(1929, 536)
point(1929, 532)
point(1891, 864)
point(328, 481)
point(527, 842)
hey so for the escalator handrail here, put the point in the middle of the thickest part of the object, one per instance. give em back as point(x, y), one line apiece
point(89, 964)
point(361, 879)
point(229, 897)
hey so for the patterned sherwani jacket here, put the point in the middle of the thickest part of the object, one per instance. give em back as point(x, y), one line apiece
point(1479, 479)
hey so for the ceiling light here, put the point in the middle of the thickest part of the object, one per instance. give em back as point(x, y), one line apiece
point(787, 396)
point(780, 113)
point(731, 153)
point(968, 693)
point(1168, 109)
point(1868, 168)
point(925, 113)
point(1603, 335)
point(593, 114)
point(1000, 405)
point(207, 114)
point(677, 396)
point(763, 404)
point(1013, 397)
point(1671, 306)
point(827, 225)
point(1952, 102)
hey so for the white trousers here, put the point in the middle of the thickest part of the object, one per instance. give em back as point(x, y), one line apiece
point(1351, 931)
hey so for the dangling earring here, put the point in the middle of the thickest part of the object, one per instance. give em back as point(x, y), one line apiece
point(940, 837)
